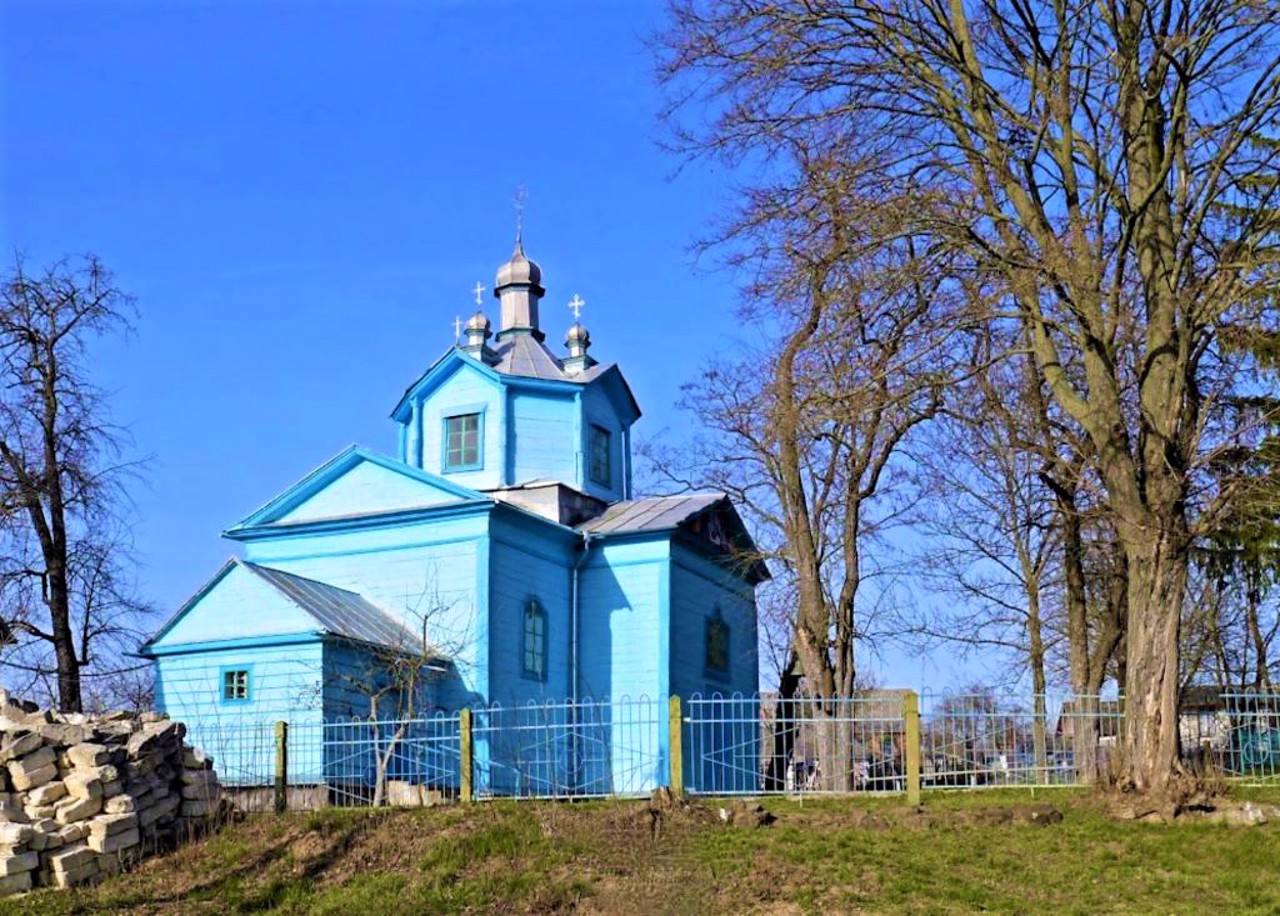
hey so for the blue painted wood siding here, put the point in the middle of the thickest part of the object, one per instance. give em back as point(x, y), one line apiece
point(367, 488)
point(466, 391)
point(240, 606)
point(437, 569)
point(701, 589)
point(286, 683)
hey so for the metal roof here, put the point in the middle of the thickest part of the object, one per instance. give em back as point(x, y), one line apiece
point(338, 611)
point(658, 513)
point(525, 356)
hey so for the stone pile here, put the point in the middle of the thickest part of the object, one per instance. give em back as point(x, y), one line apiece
point(81, 797)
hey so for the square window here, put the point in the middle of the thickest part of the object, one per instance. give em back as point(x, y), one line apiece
point(601, 456)
point(717, 646)
point(462, 442)
point(535, 641)
point(235, 685)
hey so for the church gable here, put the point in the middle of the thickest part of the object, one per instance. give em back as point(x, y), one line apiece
point(357, 482)
point(234, 605)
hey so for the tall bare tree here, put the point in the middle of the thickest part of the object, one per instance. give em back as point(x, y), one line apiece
point(802, 426)
point(68, 603)
point(1081, 152)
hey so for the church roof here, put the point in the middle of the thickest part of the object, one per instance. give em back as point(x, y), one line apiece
point(338, 611)
point(528, 357)
point(656, 513)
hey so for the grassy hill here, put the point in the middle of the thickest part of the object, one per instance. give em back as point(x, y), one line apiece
point(961, 855)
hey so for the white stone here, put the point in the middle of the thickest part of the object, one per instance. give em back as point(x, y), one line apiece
point(115, 842)
point(77, 809)
point(46, 794)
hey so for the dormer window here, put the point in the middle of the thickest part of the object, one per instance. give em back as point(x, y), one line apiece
point(462, 442)
point(601, 455)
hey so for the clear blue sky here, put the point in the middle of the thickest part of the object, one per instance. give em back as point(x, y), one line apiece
point(302, 194)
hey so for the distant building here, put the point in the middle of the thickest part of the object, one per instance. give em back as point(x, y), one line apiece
point(501, 546)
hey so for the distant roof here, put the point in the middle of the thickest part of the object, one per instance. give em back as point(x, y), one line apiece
point(338, 611)
point(525, 356)
point(657, 513)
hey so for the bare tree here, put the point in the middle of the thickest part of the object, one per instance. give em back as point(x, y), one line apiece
point(68, 602)
point(1081, 153)
point(801, 428)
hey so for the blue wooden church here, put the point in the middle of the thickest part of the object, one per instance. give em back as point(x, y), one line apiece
point(500, 549)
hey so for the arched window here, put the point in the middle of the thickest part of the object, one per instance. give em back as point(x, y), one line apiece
point(535, 641)
point(717, 661)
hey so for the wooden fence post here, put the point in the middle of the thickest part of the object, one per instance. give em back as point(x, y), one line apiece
point(911, 715)
point(282, 767)
point(464, 734)
point(675, 732)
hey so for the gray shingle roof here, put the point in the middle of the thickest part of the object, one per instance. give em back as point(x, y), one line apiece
point(338, 611)
point(658, 513)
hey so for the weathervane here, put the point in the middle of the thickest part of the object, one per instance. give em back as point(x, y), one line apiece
point(479, 291)
point(576, 303)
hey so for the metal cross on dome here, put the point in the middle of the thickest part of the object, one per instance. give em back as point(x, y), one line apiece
point(457, 329)
point(479, 292)
point(576, 303)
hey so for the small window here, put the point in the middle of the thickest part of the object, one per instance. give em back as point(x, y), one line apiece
point(601, 465)
point(235, 685)
point(462, 442)
point(535, 641)
point(717, 645)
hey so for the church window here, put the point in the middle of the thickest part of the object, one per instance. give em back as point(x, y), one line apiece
point(235, 685)
point(717, 645)
point(535, 641)
point(462, 442)
point(601, 463)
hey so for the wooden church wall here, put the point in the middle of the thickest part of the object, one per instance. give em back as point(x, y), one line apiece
point(599, 410)
point(436, 568)
point(699, 590)
point(528, 561)
point(467, 391)
point(542, 431)
point(285, 682)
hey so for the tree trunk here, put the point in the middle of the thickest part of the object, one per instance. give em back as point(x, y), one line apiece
point(784, 728)
point(1150, 745)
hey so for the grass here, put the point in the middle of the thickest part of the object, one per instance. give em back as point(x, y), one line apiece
point(845, 856)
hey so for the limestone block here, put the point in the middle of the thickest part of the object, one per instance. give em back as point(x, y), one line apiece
point(194, 758)
point(206, 792)
point(15, 884)
point(85, 874)
point(70, 859)
point(39, 812)
point(16, 834)
point(73, 833)
point(88, 756)
point(112, 789)
point(12, 813)
point(71, 810)
point(58, 734)
point(114, 842)
point(152, 736)
point(111, 824)
point(15, 864)
point(46, 794)
point(20, 745)
point(120, 804)
point(84, 783)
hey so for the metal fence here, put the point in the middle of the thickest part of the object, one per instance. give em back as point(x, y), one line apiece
point(880, 741)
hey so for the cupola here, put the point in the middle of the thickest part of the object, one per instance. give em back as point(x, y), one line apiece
point(578, 342)
point(479, 330)
point(519, 287)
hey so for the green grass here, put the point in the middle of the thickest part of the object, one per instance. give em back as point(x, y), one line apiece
point(820, 857)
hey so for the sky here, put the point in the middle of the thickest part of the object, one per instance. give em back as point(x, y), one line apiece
point(301, 196)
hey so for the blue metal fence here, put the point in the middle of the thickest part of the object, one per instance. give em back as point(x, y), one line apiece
point(735, 745)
